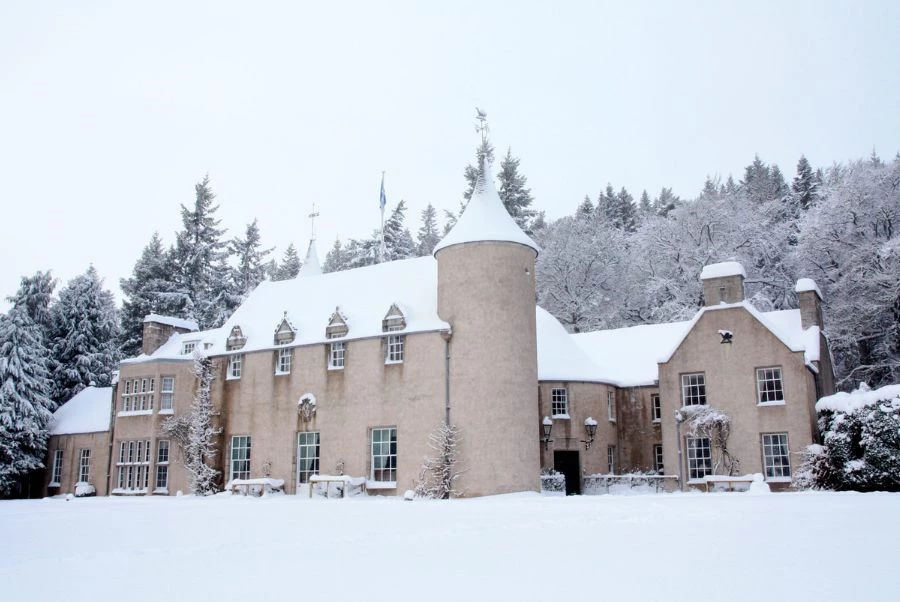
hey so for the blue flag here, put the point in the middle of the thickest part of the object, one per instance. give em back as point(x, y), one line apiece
point(382, 201)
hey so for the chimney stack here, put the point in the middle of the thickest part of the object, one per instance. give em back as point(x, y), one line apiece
point(158, 329)
point(723, 283)
point(810, 303)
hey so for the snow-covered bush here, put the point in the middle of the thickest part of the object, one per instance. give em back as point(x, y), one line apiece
point(553, 482)
point(860, 448)
point(439, 473)
point(83, 489)
point(715, 425)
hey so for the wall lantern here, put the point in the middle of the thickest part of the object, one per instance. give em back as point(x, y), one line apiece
point(590, 425)
point(547, 426)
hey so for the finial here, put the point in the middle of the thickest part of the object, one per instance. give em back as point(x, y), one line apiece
point(482, 127)
point(312, 219)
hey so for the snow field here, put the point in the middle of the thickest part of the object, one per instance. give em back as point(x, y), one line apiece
point(804, 546)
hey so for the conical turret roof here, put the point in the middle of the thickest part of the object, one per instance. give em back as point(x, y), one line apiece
point(485, 218)
point(310, 265)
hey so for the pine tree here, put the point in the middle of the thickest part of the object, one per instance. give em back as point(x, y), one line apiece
point(472, 172)
point(25, 405)
point(644, 204)
point(336, 259)
point(84, 333)
point(199, 257)
point(34, 296)
point(150, 290)
point(251, 261)
point(397, 239)
point(626, 215)
point(428, 236)
point(290, 264)
point(805, 186)
point(665, 202)
point(515, 196)
point(585, 209)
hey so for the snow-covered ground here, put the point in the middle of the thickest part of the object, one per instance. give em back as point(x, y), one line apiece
point(797, 546)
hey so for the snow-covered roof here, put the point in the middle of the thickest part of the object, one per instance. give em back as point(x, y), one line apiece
point(862, 397)
point(627, 356)
point(310, 265)
point(88, 412)
point(559, 356)
point(173, 349)
point(485, 218)
point(170, 321)
point(364, 295)
point(808, 284)
point(721, 270)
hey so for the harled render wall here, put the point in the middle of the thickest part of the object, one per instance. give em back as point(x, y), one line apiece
point(637, 432)
point(366, 393)
point(730, 371)
point(72, 445)
point(486, 291)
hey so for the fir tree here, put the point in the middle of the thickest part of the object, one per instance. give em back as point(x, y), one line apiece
point(290, 264)
point(665, 202)
point(645, 205)
point(25, 405)
point(428, 236)
point(626, 215)
point(515, 195)
point(397, 239)
point(586, 208)
point(805, 185)
point(336, 259)
point(251, 261)
point(85, 330)
point(34, 296)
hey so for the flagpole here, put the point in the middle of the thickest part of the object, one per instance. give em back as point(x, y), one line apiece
point(382, 201)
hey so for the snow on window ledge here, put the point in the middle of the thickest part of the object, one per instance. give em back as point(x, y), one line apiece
point(229, 377)
point(277, 373)
point(765, 404)
point(135, 413)
point(118, 491)
point(330, 367)
point(169, 411)
point(392, 362)
point(656, 420)
point(160, 492)
point(778, 479)
point(54, 484)
point(381, 484)
point(561, 417)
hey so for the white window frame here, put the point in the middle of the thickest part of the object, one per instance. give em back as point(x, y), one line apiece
point(163, 452)
point(611, 406)
point(167, 394)
point(693, 389)
point(240, 462)
point(133, 474)
point(611, 458)
point(55, 479)
point(337, 355)
point(394, 349)
point(769, 386)
point(188, 347)
point(655, 408)
point(559, 402)
point(776, 457)
point(138, 396)
point(383, 456)
point(84, 465)
point(698, 458)
point(658, 463)
point(283, 360)
point(308, 443)
point(235, 366)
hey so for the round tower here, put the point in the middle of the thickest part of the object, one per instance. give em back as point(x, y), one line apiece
point(486, 292)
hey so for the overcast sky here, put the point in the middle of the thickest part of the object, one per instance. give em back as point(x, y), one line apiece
point(110, 112)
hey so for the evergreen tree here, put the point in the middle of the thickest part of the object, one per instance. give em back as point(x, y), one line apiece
point(336, 259)
point(25, 405)
point(199, 258)
point(251, 261)
point(428, 236)
point(626, 215)
point(85, 329)
point(515, 196)
point(150, 290)
point(805, 186)
point(586, 208)
point(472, 172)
point(397, 239)
point(665, 202)
point(34, 296)
point(645, 204)
point(290, 264)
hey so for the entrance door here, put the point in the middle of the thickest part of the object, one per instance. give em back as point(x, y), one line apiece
point(569, 463)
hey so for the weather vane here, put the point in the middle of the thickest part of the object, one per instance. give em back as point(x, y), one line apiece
point(482, 126)
point(312, 219)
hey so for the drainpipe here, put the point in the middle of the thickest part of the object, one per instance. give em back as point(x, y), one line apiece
point(446, 335)
point(679, 418)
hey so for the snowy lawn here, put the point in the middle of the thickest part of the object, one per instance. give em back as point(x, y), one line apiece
point(806, 546)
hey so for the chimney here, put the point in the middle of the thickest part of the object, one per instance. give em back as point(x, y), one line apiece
point(810, 303)
point(723, 283)
point(158, 329)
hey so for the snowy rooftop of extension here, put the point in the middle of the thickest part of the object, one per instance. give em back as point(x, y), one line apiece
point(87, 412)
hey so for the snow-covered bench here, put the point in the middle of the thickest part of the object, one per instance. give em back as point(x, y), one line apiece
point(256, 487)
point(724, 483)
point(347, 481)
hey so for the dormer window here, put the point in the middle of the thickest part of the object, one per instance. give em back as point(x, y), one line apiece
point(285, 332)
point(395, 344)
point(337, 325)
point(236, 340)
point(188, 347)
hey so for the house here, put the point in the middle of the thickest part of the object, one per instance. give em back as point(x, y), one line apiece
point(350, 372)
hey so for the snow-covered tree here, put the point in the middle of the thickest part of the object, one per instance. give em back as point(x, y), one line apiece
point(336, 259)
point(428, 236)
point(35, 296)
point(251, 261)
point(397, 239)
point(805, 186)
point(715, 425)
point(440, 472)
point(84, 336)
point(585, 208)
point(25, 405)
point(290, 264)
point(195, 432)
point(514, 193)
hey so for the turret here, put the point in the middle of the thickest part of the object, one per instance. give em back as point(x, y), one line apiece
point(486, 292)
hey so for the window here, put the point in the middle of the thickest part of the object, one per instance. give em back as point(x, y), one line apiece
point(384, 455)
point(283, 361)
point(133, 466)
point(307, 456)
point(776, 461)
point(234, 366)
point(559, 403)
point(57, 468)
point(162, 465)
point(655, 408)
point(167, 394)
point(769, 387)
point(693, 389)
point(188, 347)
point(658, 459)
point(336, 356)
point(611, 406)
point(84, 466)
point(611, 458)
point(394, 349)
point(240, 457)
point(138, 395)
point(699, 457)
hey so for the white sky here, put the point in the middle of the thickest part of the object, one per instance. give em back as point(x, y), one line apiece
point(111, 112)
